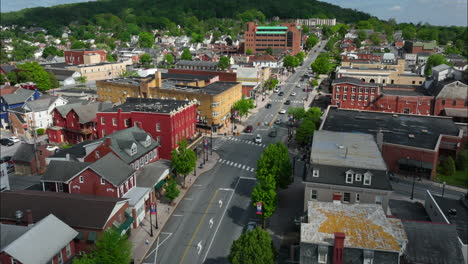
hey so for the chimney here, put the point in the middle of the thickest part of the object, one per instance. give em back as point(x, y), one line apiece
point(29, 217)
point(379, 139)
point(338, 249)
point(18, 217)
point(108, 141)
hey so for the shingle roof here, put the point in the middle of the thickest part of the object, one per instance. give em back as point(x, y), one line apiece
point(73, 209)
point(86, 111)
point(19, 96)
point(454, 90)
point(112, 169)
point(123, 139)
point(441, 67)
point(265, 57)
point(29, 248)
point(152, 173)
point(63, 170)
point(24, 153)
point(76, 151)
point(432, 243)
point(42, 103)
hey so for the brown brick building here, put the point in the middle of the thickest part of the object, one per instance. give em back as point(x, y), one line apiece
point(285, 38)
point(85, 56)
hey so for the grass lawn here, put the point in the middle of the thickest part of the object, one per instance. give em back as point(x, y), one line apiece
point(460, 178)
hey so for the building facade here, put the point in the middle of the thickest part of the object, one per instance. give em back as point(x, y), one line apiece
point(78, 57)
point(452, 100)
point(14, 100)
point(167, 121)
point(285, 38)
point(313, 22)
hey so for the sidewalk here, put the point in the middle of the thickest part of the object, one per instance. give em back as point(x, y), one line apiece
point(142, 233)
point(428, 182)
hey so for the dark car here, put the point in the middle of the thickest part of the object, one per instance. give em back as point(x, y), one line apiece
point(287, 102)
point(6, 142)
point(248, 129)
point(278, 122)
point(6, 159)
point(281, 94)
point(268, 106)
point(273, 133)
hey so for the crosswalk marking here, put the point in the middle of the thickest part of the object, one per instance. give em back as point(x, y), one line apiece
point(237, 165)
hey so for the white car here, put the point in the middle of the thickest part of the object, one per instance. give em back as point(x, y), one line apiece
point(258, 139)
point(293, 94)
point(14, 139)
point(282, 111)
point(276, 90)
point(52, 148)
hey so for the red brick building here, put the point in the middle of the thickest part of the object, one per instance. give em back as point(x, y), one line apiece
point(167, 121)
point(85, 56)
point(451, 99)
point(285, 38)
point(351, 93)
point(73, 209)
point(417, 47)
point(361, 57)
point(29, 160)
point(223, 76)
point(74, 123)
point(348, 45)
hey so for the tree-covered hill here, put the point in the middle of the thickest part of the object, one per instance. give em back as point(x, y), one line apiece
point(159, 13)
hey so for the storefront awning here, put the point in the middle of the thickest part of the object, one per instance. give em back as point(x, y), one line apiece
point(160, 184)
point(92, 236)
point(126, 224)
point(416, 163)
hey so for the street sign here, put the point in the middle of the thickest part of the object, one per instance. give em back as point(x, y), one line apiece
point(205, 143)
point(259, 208)
point(153, 209)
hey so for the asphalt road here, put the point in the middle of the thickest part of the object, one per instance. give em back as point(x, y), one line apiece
point(404, 187)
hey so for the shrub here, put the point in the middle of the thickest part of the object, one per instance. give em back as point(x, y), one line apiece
point(171, 189)
point(448, 166)
point(462, 160)
point(40, 131)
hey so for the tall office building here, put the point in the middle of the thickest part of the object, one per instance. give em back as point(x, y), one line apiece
point(285, 38)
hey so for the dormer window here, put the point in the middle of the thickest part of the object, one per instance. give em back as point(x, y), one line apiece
point(349, 176)
point(81, 179)
point(367, 178)
point(133, 150)
point(102, 181)
point(358, 177)
point(315, 173)
point(147, 141)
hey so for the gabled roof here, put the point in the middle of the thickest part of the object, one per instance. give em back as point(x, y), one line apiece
point(63, 170)
point(112, 169)
point(29, 247)
point(152, 173)
point(41, 104)
point(7, 89)
point(73, 209)
point(265, 57)
point(19, 96)
point(454, 90)
point(86, 111)
point(24, 153)
point(441, 67)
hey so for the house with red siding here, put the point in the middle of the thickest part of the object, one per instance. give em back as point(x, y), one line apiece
point(74, 123)
point(25, 244)
point(162, 119)
point(451, 99)
point(352, 93)
point(75, 210)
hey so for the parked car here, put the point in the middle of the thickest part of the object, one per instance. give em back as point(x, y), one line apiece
point(6, 159)
point(293, 94)
point(248, 129)
point(281, 94)
point(14, 139)
point(273, 133)
point(276, 90)
point(52, 148)
point(282, 111)
point(268, 106)
point(278, 122)
point(6, 142)
point(258, 139)
point(251, 225)
point(287, 102)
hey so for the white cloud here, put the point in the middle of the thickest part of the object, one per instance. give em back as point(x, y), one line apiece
point(395, 8)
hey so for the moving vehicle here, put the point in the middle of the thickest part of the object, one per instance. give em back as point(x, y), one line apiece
point(6, 142)
point(281, 94)
point(282, 111)
point(293, 94)
point(258, 139)
point(268, 106)
point(278, 122)
point(248, 129)
point(287, 102)
point(14, 139)
point(273, 133)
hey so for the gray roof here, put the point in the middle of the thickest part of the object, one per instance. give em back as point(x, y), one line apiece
point(63, 170)
point(454, 90)
point(396, 128)
point(150, 105)
point(460, 219)
point(197, 63)
point(24, 153)
point(86, 111)
point(29, 247)
point(10, 233)
point(19, 96)
point(123, 139)
point(355, 81)
point(152, 173)
point(432, 243)
point(441, 67)
point(75, 151)
point(113, 169)
point(136, 194)
point(42, 103)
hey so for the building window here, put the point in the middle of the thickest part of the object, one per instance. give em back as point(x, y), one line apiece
point(378, 199)
point(367, 178)
point(103, 121)
point(368, 257)
point(358, 177)
point(81, 179)
point(315, 173)
point(359, 97)
point(337, 97)
point(345, 96)
point(367, 90)
point(322, 254)
point(313, 195)
point(360, 89)
point(60, 257)
point(454, 102)
point(114, 121)
point(347, 197)
point(353, 97)
point(158, 138)
point(102, 181)
point(337, 89)
point(358, 197)
point(349, 176)
point(158, 127)
point(443, 102)
point(68, 251)
point(366, 97)
point(126, 185)
point(126, 122)
point(133, 150)
point(121, 190)
point(345, 89)
point(372, 90)
point(103, 132)
point(353, 90)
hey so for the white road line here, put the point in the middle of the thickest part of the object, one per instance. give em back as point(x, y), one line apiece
point(177, 215)
point(158, 245)
point(188, 199)
point(235, 164)
point(197, 185)
point(252, 169)
point(247, 168)
point(220, 160)
point(239, 165)
point(248, 178)
point(243, 166)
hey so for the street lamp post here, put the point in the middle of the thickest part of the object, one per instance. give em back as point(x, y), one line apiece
point(156, 215)
point(211, 140)
point(151, 221)
point(443, 189)
point(195, 169)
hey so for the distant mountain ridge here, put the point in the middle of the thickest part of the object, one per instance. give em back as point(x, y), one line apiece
point(10, 6)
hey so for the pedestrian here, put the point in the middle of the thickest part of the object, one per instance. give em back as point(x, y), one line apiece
point(168, 209)
point(147, 242)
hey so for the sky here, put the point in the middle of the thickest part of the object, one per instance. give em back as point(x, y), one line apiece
point(14, 5)
point(435, 12)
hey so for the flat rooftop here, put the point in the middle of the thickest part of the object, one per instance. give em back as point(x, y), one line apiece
point(149, 105)
point(180, 76)
point(401, 129)
point(404, 92)
point(131, 80)
point(77, 90)
point(460, 219)
point(364, 225)
point(212, 88)
point(344, 149)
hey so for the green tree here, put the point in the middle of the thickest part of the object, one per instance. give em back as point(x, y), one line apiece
point(311, 41)
point(409, 32)
point(248, 51)
point(448, 166)
point(172, 191)
point(275, 162)
point(432, 61)
point(362, 35)
point(305, 30)
point(169, 59)
point(462, 160)
point(301, 55)
point(111, 247)
point(145, 40)
point(33, 72)
point(326, 31)
point(54, 83)
point(78, 45)
point(314, 83)
point(22, 51)
point(298, 112)
point(271, 83)
point(183, 159)
point(321, 65)
point(51, 50)
point(268, 198)
point(304, 131)
point(146, 60)
point(314, 115)
point(12, 77)
point(197, 38)
point(253, 247)
point(186, 55)
point(290, 62)
point(375, 39)
point(269, 51)
point(224, 63)
point(243, 106)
